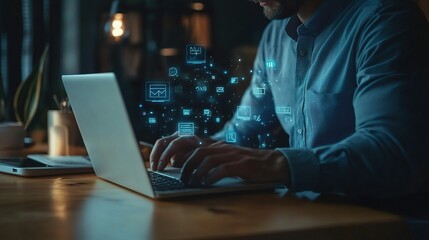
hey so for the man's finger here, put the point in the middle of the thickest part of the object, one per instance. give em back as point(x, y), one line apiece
point(158, 149)
point(178, 145)
point(230, 169)
point(195, 159)
point(208, 164)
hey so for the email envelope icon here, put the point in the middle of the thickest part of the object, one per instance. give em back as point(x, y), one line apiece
point(158, 92)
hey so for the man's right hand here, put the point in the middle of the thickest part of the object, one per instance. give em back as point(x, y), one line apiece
point(175, 149)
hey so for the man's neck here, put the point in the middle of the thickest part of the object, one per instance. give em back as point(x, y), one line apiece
point(308, 8)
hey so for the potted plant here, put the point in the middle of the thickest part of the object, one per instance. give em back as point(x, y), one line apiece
point(27, 97)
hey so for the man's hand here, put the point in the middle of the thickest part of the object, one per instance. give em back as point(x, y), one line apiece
point(205, 162)
point(207, 165)
point(175, 149)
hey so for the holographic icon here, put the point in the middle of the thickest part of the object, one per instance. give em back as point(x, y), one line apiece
point(152, 120)
point(173, 72)
point(158, 91)
point(257, 118)
point(217, 120)
point(195, 54)
point(186, 112)
point(220, 89)
point(283, 110)
point(244, 113)
point(207, 112)
point(234, 80)
point(231, 137)
point(288, 119)
point(186, 129)
point(270, 63)
point(258, 91)
point(201, 88)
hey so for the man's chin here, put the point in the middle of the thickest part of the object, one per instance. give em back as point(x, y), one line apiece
point(276, 14)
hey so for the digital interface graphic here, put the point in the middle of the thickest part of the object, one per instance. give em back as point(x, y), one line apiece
point(197, 97)
point(195, 54)
point(158, 91)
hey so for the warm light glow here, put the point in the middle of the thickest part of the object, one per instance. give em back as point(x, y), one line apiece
point(117, 32)
point(117, 26)
point(117, 23)
point(197, 6)
point(168, 52)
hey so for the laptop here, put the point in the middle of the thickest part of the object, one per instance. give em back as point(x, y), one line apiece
point(37, 165)
point(115, 155)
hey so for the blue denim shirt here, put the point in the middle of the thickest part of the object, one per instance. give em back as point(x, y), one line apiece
point(349, 88)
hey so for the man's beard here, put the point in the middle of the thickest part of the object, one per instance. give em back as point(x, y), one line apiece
point(280, 9)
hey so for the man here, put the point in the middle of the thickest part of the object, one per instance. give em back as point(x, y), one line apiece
point(349, 82)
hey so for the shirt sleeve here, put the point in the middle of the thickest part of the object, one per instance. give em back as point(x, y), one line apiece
point(386, 155)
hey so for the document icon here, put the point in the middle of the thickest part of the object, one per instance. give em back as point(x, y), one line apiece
point(158, 91)
point(186, 129)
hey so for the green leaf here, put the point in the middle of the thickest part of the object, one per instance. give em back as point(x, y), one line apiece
point(27, 96)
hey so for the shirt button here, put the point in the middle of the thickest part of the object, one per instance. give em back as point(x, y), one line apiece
point(299, 131)
point(303, 52)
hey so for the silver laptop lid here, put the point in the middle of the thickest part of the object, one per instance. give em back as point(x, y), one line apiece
point(106, 130)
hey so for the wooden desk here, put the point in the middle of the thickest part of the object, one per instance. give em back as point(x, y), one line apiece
point(85, 207)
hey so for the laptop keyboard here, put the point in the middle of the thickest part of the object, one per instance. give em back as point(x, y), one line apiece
point(164, 183)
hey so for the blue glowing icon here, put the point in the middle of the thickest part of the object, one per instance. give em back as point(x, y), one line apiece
point(207, 112)
point(288, 119)
point(257, 118)
point(218, 120)
point(231, 137)
point(220, 89)
point(283, 110)
point(258, 91)
point(234, 80)
point(173, 72)
point(186, 129)
point(152, 120)
point(195, 54)
point(186, 112)
point(244, 113)
point(201, 88)
point(270, 64)
point(158, 91)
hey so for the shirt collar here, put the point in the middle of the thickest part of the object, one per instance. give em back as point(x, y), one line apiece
point(327, 12)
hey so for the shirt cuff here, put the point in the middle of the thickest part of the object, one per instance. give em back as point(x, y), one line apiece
point(303, 168)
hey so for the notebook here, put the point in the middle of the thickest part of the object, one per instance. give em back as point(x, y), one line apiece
point(109, 138)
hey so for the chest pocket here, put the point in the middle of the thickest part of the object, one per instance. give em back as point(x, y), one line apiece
point(330, 117)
